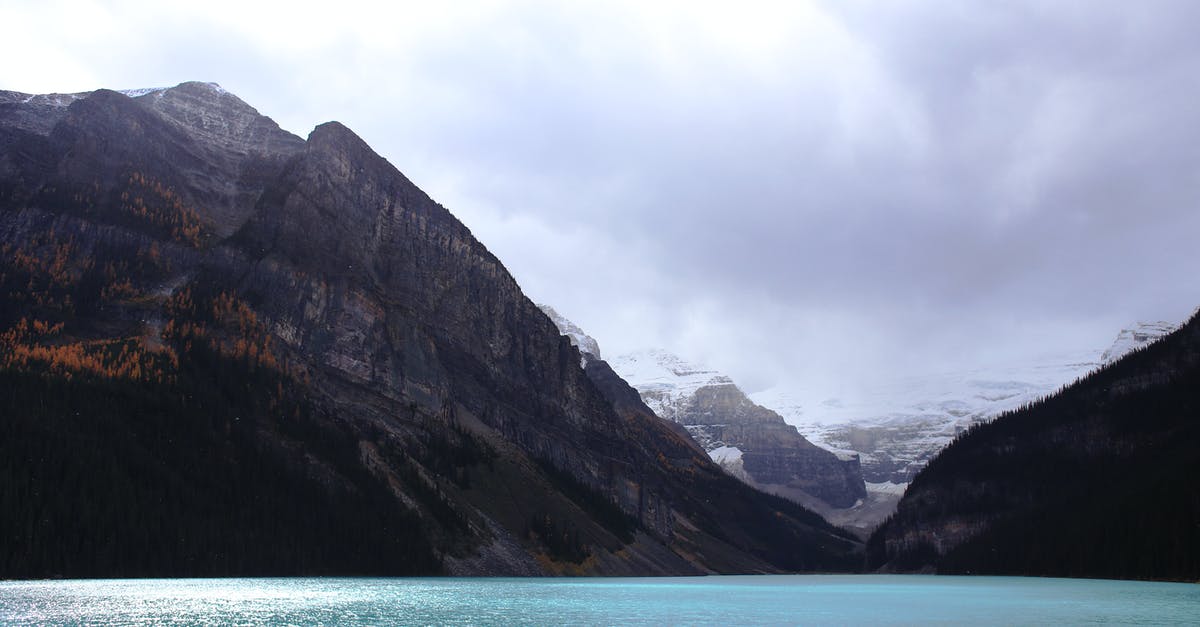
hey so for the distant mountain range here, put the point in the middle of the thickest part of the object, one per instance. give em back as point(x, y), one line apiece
point(228, 350)
point(892, 430)
point(1078, 465)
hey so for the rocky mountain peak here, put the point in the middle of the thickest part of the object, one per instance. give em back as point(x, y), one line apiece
point(218, 118)
point(665, 379)
point(334, 134)
point(751, 442)
point(205, 111)
point(587, 345)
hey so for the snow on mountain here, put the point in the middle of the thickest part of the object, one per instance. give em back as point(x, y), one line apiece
point(587, 345)
point(1132, 339)
point(665, 381)
point(751, 442)
point(730, 458)
point(725, 454)
point(65, 100)
point(898, 425)
point(50, 100)
point(137, 93)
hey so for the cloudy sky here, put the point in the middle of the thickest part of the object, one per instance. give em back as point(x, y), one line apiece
point(811, 195)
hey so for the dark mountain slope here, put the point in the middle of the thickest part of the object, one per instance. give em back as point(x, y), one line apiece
point(213, 329)
point(729, 510)
point(1095, 481)
point(101, 478)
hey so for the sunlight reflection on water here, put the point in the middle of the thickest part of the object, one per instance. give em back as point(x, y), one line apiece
point(813, 599)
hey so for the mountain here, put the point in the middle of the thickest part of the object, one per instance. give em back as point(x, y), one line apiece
point(623, 397)
point(589, 349)
point(228, 350)
point(751, 442)
point(1134, 338)
point(1097, 480)
point(896, 427)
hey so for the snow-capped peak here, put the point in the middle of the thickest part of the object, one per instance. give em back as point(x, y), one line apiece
point(137, 93)
point(657, 366)
point(587, 345)
point(1131, 339)
point(52, 100)
point(63, 100)
point(664, 380)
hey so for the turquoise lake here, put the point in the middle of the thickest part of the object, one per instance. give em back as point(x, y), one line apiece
point(757, 600)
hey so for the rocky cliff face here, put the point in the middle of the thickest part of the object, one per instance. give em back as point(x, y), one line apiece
point(1096, 480)
point(160, 238)
point(753, 443)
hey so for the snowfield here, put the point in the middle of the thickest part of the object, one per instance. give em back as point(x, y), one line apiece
point(664, 380)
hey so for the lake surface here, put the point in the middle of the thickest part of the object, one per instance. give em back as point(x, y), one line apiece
point(762, 600)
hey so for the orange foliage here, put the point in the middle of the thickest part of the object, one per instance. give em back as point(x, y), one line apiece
point(42, 272)
point(28, 346)
point(119, 284)
point(235, 329)
point(151, 202)
point(46, 271)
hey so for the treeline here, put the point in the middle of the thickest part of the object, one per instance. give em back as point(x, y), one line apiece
point(224, 472)
point(765, 525)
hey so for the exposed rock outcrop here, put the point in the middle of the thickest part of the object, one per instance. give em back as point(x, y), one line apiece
point(771, 454)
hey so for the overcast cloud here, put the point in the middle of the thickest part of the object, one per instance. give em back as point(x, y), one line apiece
point(813, 195)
